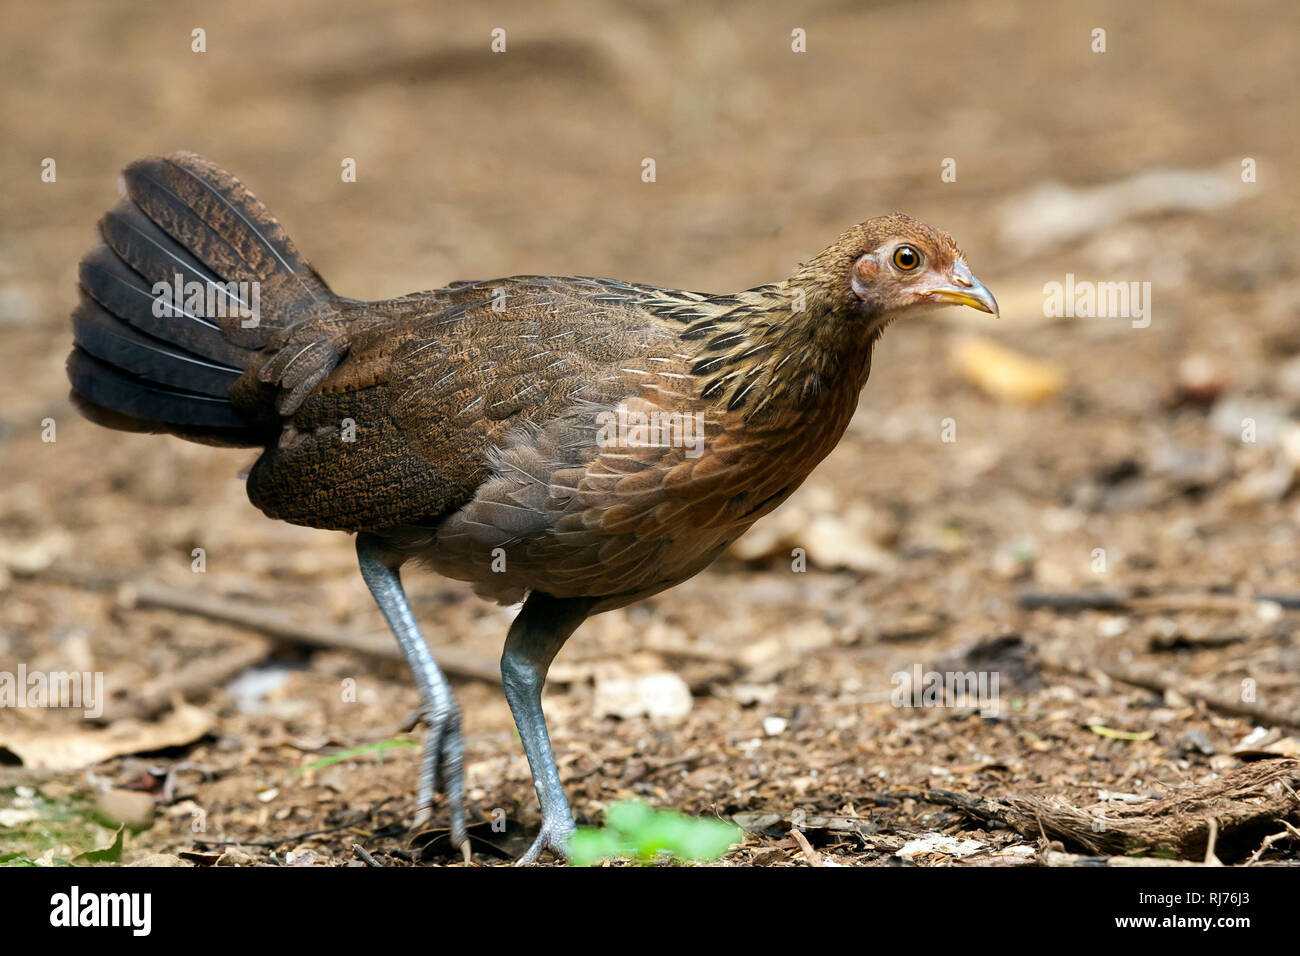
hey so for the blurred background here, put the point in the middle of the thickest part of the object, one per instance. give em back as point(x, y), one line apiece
point(1089, 454)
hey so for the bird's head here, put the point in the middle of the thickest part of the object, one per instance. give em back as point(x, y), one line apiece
point(787, 345)
point(887, 267)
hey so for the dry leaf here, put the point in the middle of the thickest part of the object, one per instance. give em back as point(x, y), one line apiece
point(73, 750)
point(1005, 373)
point(1112, 734)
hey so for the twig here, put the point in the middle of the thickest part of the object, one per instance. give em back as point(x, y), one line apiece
point(986, 811)
point(287, 627)
point(200, 675)
point(293, 838)
point(1151, 678)
point(1167, 603)
point(1236, 805)
point(1071, 601)
point(1191, 821)
point(809, 854)
point(266, 620)
point(1210, 840)
point(1057, 858)
point(360, 851)
point(1290, 833)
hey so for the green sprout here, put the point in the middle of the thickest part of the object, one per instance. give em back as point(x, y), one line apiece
point(377, 749)
point(634, 829)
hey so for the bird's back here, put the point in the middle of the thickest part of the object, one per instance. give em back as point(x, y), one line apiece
point(408, 398)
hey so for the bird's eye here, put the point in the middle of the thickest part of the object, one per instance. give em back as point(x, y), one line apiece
point(906, 258)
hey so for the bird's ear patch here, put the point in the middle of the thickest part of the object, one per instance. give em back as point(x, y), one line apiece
point(863, 274)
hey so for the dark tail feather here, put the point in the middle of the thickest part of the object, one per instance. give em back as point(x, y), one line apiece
point(149, 363)
point(114, 342)
point(128, 296)
point(222, 224)
point(148, 402)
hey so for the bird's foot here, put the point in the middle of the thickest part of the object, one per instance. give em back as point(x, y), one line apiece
point(442, 767)
point(554, 836)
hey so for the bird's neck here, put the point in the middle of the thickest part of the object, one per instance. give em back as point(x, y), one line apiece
point(779, 352)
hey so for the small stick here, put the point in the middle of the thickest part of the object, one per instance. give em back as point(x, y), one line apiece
point(286, 627)
point(1165, 603)
point(276, 843)
point(812, 856)
point(1057, 858)
point(200, 675)
point(987, 811)
point(1071, 601)
point(1151, 678)
point(1210, 840)
point(1290, 833)
point(267, 620)
point(361, 851)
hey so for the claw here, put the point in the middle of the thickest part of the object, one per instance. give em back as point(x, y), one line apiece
point(414, 719)
point(441, 768)
point(553, 837)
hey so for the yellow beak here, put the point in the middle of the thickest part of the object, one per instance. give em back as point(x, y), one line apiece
point(965, 289)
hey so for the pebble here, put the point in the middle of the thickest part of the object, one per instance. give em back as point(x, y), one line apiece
point(662, 696)
point(773, 726)
point(131, 807)
point(1195, 739)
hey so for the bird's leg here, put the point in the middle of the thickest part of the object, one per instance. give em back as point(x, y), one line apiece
point(537, 634)
point(443, 751)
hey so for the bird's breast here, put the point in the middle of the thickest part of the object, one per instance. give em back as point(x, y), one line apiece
point(630, 498)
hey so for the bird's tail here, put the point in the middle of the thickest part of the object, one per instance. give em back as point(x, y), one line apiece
point(193, 279)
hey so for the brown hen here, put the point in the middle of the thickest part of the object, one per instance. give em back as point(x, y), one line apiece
point(573, 443)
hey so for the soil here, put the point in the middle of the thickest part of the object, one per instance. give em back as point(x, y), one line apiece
point(957, 491)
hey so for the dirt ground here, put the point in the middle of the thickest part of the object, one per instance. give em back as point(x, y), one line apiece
point(1150, 468)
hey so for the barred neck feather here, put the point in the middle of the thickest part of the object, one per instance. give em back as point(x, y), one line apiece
point(776, 349)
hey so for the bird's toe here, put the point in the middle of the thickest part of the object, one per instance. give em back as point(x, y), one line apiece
point(553, 837)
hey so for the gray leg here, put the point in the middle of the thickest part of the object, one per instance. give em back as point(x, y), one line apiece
point(443, 753)
point(536, 636)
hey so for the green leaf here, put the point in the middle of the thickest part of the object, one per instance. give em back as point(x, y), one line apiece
point(109, 854)
point(634, 829)
point(376, 748)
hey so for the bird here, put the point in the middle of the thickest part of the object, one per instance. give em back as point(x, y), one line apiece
point(567, 444)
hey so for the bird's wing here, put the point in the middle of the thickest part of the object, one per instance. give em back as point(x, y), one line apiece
point(391, 416)
point(624, 496)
